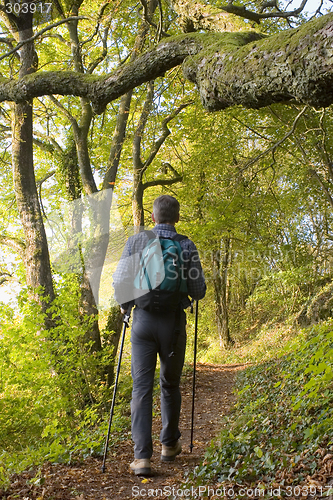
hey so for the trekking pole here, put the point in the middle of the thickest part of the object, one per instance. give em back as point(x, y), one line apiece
point(125, 321)
point(194, 368)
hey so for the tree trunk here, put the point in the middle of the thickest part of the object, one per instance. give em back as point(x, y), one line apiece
point(137, 203)
point(220, 280)
point(37, 261)
point(138, 166)
point(112, 337)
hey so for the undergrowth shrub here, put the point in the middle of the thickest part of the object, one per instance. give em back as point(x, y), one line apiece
point(277, 297)
point(284, 413)
point(53, 402)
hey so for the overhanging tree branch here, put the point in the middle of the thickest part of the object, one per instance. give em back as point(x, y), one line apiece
point(228, 68)
point(39, 186)
point(103, 89)
point(241, 11)
point(161, 182)
point(284, 67)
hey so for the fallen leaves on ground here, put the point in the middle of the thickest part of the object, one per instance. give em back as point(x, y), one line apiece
point(214, 398)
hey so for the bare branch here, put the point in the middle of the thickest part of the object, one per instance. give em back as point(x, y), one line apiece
point(241, 11)
point(46, 143)
point(64, 111)
point(161, 182)
point(7, 41)
point(41, 32)
point(250, 128)
point(39, 185)
point(146, 14)
point(315, 174)
point(273, 148)
point(165, 133)
point(103, 55)
point(4, 277)
point(99, 17)
point(147, 18)
point(43, 179)
point(44, 146)
point(137, 163)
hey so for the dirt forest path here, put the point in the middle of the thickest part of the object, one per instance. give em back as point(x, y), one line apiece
point(214, 398)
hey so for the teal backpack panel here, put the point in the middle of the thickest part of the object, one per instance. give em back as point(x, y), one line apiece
point(161, 280)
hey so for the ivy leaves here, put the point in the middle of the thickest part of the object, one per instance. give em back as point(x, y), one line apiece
point(283, 416)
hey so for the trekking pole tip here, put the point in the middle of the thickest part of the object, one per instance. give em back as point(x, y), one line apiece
point(191, 447)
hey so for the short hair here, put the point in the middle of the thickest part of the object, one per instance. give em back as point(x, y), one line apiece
point(166, 209)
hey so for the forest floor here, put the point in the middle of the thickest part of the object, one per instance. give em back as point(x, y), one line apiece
point(214, 399)
point(85, 481)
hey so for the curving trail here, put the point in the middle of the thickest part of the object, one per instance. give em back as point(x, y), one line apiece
point(214, 398)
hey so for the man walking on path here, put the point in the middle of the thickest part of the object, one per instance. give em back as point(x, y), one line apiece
point(158, 325)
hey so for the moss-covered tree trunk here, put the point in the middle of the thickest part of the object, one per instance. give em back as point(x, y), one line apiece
point(294, 65)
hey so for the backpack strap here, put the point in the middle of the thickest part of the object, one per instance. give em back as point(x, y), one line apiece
point(140, 240)
point(150, 234)
point(179, 237)
point(174, 339)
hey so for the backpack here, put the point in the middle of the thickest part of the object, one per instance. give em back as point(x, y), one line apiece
point(161, 282)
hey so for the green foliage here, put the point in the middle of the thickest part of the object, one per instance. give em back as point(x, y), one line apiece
point(53, 402)
point(283, 414)
point(281, 294)
point(245, 177)
point(27, 389)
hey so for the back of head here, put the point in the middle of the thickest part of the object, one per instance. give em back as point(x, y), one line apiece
point(166, 209)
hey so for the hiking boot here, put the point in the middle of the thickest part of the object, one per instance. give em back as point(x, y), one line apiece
point(169, 453)
point(141, 467)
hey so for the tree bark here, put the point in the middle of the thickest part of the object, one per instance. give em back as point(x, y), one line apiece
point(195, 16)
point(220, 281)
point(294, 65)
point(112, 337)
point(228, 69)
point(138, 165)
point(36, 255)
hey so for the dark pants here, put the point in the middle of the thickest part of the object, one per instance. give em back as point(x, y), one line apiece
point(153, 334)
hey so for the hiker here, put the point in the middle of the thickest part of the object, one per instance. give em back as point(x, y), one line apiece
point(158, 327)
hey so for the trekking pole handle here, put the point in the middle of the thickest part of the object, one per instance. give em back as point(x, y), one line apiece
point(127, 316)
